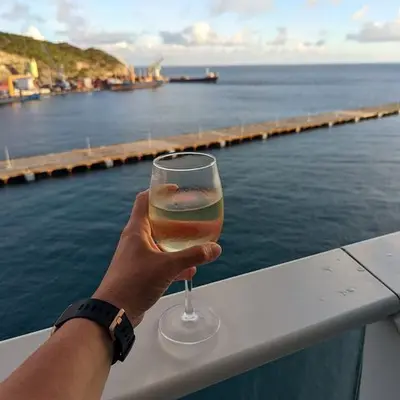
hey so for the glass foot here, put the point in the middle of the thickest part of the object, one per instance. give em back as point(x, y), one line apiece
point(178, 327)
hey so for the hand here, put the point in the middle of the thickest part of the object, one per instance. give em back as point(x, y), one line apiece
point(140, 272)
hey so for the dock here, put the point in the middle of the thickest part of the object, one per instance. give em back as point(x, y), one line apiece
point(28, 169)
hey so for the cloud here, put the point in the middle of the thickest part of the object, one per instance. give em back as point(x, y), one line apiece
point(22, 12)
point(373, 32)
point(284, 42)
point(242, 7)
point(311, 3)
point(281, 38)
point(318, 43)
point(360, 14)
point(202, 34)
point(95, 38)
point(67, 15)
point(34, 33)
point(316, 47)
point(77, 30)
point(147, 41)
point(177, 38)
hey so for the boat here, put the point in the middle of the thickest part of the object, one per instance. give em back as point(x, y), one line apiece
point(16, 99)
point(129, 86)
point(31, 97)
point(210, 77)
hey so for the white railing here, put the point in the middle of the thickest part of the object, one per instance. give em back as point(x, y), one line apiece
point(266, 315)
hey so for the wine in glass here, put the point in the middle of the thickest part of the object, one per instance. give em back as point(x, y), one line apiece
point(186, 209)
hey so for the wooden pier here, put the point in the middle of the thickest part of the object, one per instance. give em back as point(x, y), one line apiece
point(29, 169)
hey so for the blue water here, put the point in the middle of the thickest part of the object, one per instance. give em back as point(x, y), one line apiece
point(289, 197)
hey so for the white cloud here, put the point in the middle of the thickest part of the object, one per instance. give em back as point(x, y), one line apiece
point(88, 38)
point(78, 31)
point(360, 14)
point(281, 37)
point(306, 45)
point(20, 11)
point(34, 33)
point(202, 34)
point(121, 45)
point(311, 3)
point(147, 41)
point(283, 40)
point(67, 14)
point(377, 32)
point(242, 7)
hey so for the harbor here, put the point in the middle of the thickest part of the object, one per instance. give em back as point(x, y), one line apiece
point(28, 169)
point(17, 86)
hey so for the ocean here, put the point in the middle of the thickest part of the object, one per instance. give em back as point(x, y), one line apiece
point(289, 197)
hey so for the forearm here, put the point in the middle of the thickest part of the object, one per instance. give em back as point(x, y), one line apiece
point(72, 365)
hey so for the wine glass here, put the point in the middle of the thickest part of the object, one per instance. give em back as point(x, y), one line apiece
point(186, 209)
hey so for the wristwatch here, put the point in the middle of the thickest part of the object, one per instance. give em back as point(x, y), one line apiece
point(113, 319)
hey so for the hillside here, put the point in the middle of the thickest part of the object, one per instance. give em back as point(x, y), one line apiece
point(49, 56)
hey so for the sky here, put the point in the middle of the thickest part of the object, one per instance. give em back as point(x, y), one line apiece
point(216, 32)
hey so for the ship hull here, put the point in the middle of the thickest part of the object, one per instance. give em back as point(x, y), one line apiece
point(210, 79)
point(126, 87)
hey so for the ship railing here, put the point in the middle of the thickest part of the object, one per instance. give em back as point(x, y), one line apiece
point(266, 315)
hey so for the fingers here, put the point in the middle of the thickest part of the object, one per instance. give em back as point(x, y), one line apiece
point(196, 255)
point(139, 212)
point(186, 274)
point(140, 209)
point(141, 206)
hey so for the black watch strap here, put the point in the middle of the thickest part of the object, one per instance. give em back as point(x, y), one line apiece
point(113, 319)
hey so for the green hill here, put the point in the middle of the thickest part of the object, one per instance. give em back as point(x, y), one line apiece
point(50, 56)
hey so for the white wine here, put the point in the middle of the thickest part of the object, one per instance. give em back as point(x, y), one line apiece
point(186, 218)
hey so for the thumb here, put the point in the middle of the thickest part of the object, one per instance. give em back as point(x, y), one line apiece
point(196, 255)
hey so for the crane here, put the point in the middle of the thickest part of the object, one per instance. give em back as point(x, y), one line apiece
point(155, 67)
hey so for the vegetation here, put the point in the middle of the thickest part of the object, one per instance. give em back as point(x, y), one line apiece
point(50, 56)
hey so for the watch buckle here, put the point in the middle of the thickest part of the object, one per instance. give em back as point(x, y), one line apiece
point(115, 322)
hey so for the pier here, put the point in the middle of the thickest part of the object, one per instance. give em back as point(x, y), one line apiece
point(28, 169)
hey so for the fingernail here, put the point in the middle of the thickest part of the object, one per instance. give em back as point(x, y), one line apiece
point(213, 251)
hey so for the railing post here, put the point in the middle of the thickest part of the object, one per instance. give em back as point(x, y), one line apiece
point(89, 148)
point(8, 159)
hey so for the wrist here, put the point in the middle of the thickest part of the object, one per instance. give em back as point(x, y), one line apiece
point(90, 334)
point(109, 317)
point(117, 301)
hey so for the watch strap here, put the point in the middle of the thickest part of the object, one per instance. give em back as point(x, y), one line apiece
point(109, 317)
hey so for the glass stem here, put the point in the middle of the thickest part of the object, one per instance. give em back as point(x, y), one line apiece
point(189, 313)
